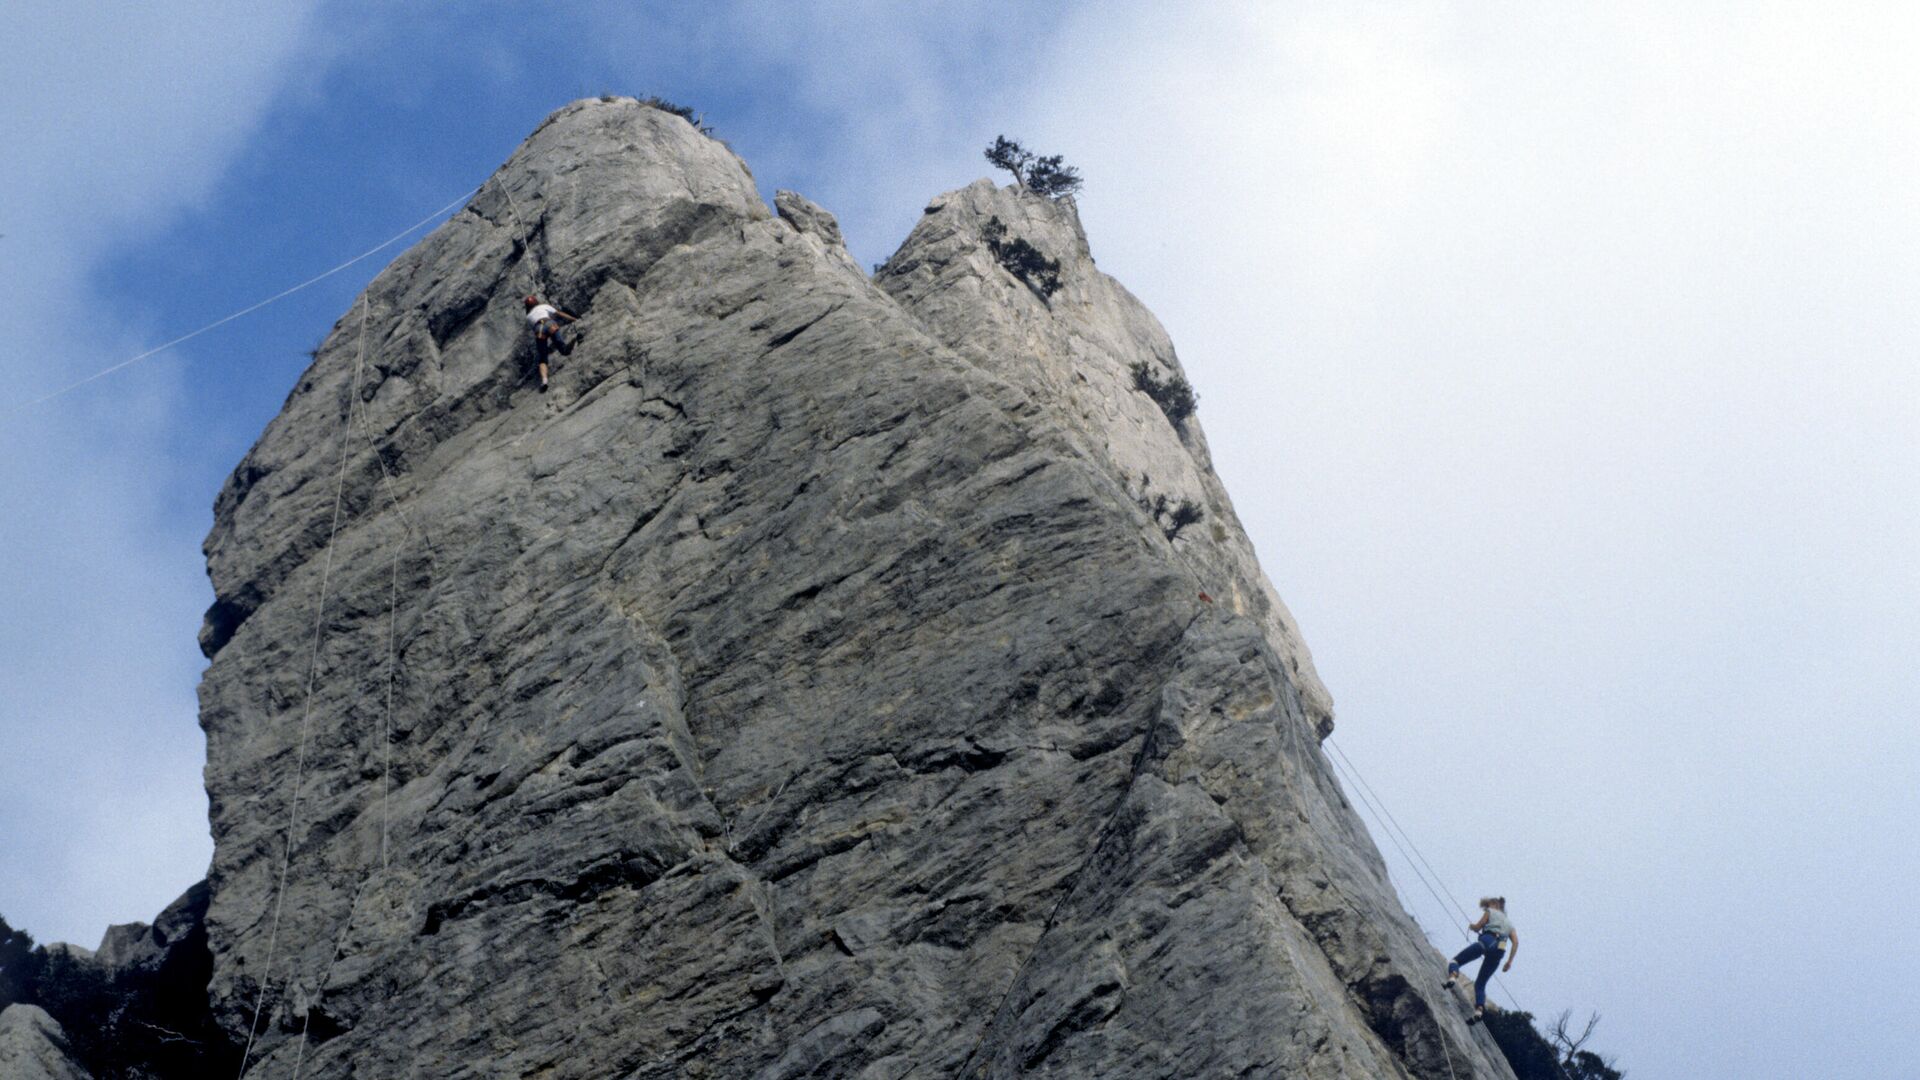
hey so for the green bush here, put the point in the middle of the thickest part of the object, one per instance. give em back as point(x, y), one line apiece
point(1174, 516)
point(1022, 259)
point(1533, 1056)
point(1174, 395)
point(1050, 176)
point(655, 101)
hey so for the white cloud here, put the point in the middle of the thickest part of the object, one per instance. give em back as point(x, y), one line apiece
point(1558, 360)
point(1556, 356)
point(118, 118)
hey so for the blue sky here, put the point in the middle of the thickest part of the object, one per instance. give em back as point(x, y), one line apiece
point(1559, 362)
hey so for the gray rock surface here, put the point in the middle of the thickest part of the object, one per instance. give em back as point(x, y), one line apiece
point(138, 946)
point(32, 1046)
point(809, 685)
point(1075, 353)
point(78, 953)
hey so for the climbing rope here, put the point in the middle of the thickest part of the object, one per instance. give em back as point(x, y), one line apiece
point(1383, 816)
point(1391, 838)
point(306, 712)
point(386, 719)
point(393, 605)
point(1293, 727)
point(525, 241)
point(1395, 822)
point(1435, 887)
point(249, 309)
point(301, 757)
point(525, 233)
point(339, 947)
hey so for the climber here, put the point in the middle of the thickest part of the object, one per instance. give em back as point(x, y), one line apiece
point(544, 319)
point(1495, 932)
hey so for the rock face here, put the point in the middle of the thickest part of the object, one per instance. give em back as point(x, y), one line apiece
point(32, 1046)
point(139, 948)
point(821, 680)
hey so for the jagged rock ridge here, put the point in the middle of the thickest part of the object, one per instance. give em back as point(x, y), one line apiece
point(806, 686)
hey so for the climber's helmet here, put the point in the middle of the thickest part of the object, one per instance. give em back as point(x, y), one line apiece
point(531, 301)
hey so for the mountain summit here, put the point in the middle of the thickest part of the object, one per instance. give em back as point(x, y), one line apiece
point(831, 676)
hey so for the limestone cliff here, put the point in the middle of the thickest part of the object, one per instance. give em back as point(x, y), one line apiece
point(811, 684)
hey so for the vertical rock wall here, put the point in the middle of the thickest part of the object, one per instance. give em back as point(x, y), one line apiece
point(805, 686)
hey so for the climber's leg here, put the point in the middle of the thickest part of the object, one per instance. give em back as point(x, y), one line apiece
point(1466, 957)
point(1487, 967)
point(544, 347)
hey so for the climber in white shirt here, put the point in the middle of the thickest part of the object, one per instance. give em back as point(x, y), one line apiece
point(544, 320)
point(1495, 938)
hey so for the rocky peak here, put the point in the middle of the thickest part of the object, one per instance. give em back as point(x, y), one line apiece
point(809, 219)
point(812, 683)
point(1081, 353)
point(594, 199)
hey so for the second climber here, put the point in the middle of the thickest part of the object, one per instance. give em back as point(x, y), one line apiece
point(1495, 932)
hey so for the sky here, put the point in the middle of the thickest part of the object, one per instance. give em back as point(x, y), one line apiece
point(1559, 359)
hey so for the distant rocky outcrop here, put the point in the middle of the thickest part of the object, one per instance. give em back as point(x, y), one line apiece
point(32, 1046)
point(136, 1008)
point(812, 684)
point(169, 941)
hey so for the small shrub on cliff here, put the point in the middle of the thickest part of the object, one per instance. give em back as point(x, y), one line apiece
point(655, 101)
point(1050, 176)
point(1182, 514)
point(1174, 395)
point(1173, 516)
point(1006, 154)
point(1559, 1055)
point(1169, 514)
point(1022, 259)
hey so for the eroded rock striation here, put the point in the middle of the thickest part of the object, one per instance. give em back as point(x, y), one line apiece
point(830, 676)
